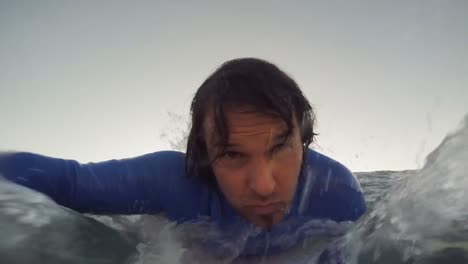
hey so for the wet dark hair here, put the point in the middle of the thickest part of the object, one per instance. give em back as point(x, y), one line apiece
point(247, 82)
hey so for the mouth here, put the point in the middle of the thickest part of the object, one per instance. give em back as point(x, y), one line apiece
point(268, 209)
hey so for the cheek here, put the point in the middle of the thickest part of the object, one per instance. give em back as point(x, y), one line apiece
point(288, 167)
point(287, 171)
point(231, 183)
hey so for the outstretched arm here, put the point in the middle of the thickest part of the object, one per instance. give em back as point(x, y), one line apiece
point(129, 186)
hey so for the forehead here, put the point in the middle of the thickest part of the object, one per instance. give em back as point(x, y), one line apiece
point(250, 123)
point(245, 123)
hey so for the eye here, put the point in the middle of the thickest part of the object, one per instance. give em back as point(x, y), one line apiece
point(231, 155)
point(277, 148)
point(231, 159)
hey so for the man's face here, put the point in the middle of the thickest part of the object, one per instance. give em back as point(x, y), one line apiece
point(258, 172)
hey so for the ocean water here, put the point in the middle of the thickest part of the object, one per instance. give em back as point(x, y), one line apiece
point(416, 216)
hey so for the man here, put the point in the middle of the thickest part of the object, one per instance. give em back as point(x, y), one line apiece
point(248, 162)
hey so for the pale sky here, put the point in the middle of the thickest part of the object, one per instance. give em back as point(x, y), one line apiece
point(94, 80)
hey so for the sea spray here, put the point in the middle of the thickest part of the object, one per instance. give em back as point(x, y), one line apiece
point(423, 215)
point(36, 230)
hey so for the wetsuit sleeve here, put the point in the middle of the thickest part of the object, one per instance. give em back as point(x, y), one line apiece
point(144, 184)
point(349, 202)
point(349, 205)
point(335, 193)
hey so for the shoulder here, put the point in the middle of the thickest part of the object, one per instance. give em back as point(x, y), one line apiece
point(161, 157)
point(181, 196)
point(161, 169)
point(330, 170)
point(333, 190)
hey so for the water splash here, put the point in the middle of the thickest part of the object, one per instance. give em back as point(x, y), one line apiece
point(34, 229)
point(424, 217)
point(176, 134)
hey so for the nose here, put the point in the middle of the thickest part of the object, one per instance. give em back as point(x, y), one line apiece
point(261, 180)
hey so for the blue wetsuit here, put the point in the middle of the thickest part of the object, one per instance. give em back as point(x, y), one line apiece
point(157, 183)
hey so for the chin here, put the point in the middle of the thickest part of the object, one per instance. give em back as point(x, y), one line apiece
point(267, 221)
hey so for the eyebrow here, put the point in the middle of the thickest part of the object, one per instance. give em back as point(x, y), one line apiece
point(283, 136)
